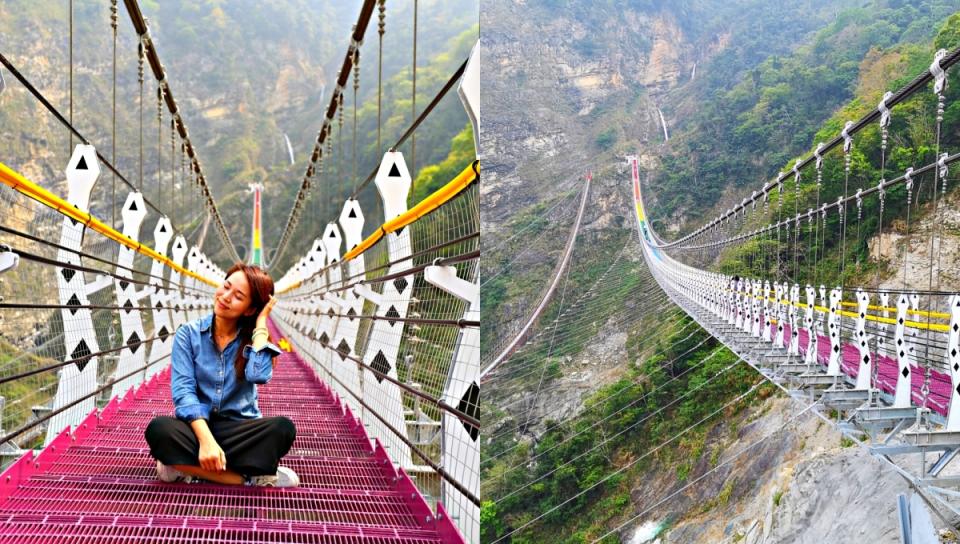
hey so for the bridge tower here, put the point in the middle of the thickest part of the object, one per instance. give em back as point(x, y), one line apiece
point(256, 249)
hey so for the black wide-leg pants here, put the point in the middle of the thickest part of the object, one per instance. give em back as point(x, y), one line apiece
point(253, 447)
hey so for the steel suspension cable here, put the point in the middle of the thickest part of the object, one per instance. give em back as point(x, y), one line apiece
point(413, 127)
point(50, 108)
point(582, 299)
point(630, 427)
point(80, 268)
point(901, 95)
point(380, 30)
point(611, 394)
point(632, 462)
point(323, 289)
point(70, 63)
point(568, 252)
point(634, 402)
point(717, 467)
point(363, 19)
point(413, 97)
point(113, 118)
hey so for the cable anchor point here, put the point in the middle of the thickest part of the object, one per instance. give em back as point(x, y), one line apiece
point(884, 110)
point(938, 73)
point(847, 138)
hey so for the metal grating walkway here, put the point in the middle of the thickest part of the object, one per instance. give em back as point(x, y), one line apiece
point(99, 483)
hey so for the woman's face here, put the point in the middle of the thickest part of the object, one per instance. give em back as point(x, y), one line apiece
point(232, 299)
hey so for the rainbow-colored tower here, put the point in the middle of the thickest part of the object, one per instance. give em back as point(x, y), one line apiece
point(256, 253)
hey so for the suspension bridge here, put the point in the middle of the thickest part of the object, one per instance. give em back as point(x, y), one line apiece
point(378, 318)
point(793, 281)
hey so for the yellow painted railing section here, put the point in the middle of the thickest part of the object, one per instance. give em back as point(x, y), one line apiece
point(425, 206)
point(13, 179)
point(940, 327)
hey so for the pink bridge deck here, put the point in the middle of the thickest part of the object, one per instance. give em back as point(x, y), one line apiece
point(99, 483)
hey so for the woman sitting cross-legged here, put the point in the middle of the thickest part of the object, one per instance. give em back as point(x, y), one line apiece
point(218, 433)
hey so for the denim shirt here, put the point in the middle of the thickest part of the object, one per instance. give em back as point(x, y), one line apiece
point(204, 382)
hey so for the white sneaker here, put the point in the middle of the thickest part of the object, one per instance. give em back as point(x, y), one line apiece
point(169, 474)
point(284, 477)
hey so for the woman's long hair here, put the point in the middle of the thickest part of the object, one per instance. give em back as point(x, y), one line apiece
point(261, 289)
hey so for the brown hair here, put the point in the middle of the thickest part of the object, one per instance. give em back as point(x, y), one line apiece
point(261, 289)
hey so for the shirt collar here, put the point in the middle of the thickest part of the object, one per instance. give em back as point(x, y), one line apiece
point(206, 323)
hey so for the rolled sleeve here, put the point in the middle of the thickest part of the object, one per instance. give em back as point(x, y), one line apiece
point(183, 381)
point(259, 367)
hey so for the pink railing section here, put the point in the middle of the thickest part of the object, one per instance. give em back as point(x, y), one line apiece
point(938, 399)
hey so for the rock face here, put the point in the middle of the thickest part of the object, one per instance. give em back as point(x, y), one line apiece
point(934, 241)
point(664, 66)
point(800, 485)
point(540, 106)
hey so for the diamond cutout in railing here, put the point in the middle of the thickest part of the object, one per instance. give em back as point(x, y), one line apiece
point(74, 304)
point(133, 342)
point(401, 284)
point(67, 273)
point(81, 355)
point(392, 315)
point(343, 348)
point(470, 405)
point(381, 365)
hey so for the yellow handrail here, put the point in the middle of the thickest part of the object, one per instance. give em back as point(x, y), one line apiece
point(425, 206)
point(940, 327)
point(15, 180)
point(924, 313)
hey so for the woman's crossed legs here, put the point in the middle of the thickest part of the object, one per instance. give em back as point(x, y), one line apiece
point(253, 447)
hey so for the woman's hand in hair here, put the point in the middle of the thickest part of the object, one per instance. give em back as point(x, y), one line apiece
point(212, 456)
point(262, 318)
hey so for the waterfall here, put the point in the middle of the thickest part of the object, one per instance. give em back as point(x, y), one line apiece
point(289, 147)
point(666, 136)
